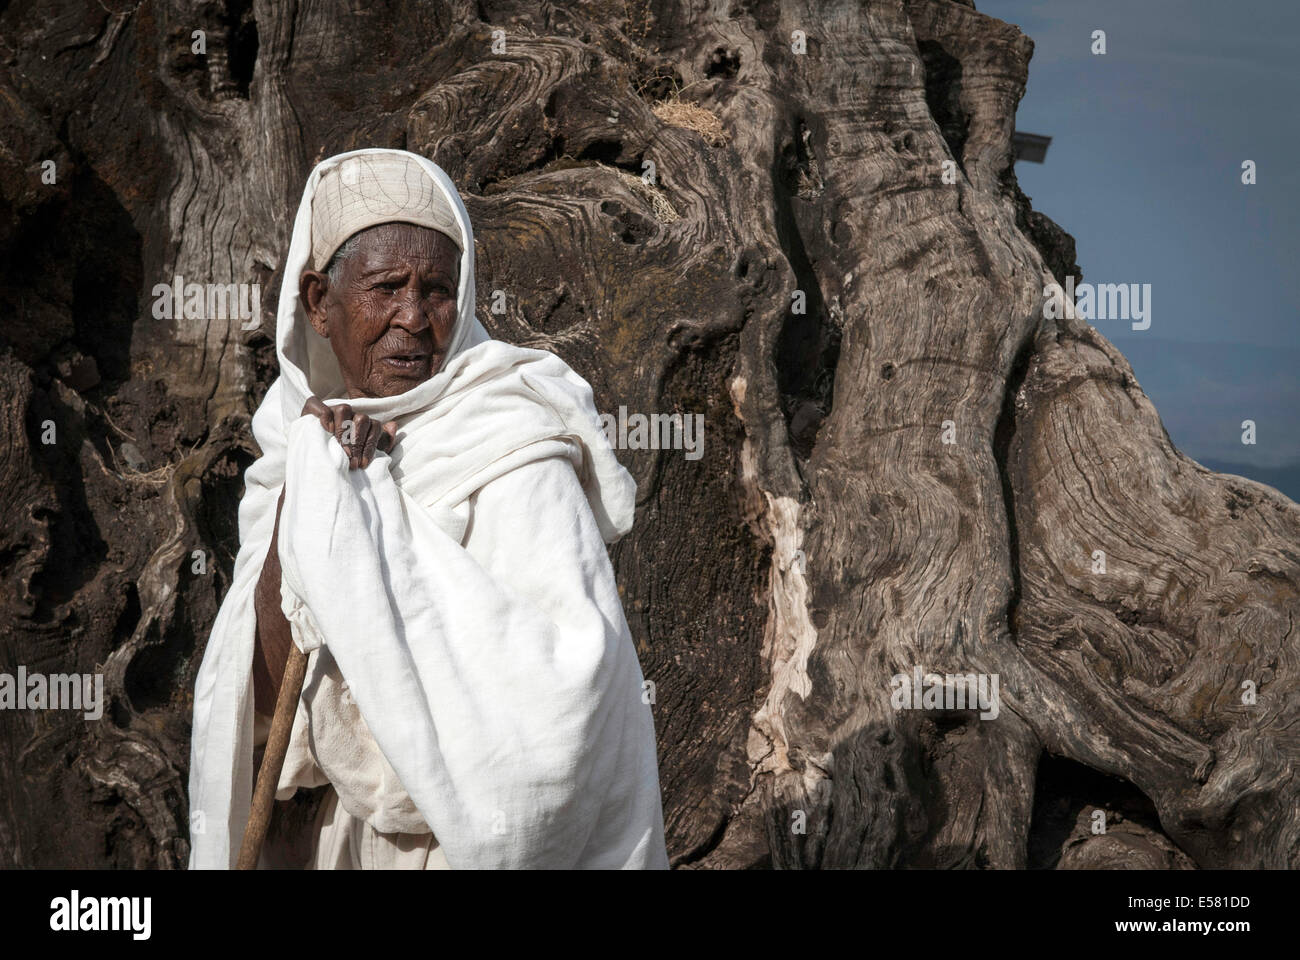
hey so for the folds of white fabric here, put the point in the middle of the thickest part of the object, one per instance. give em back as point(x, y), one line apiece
point(332, 744)
point(343, 842)
point(515, 719)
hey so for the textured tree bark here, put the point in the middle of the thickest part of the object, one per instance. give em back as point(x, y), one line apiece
point(828, 539)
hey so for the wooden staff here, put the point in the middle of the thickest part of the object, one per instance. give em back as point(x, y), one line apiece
point(277, 745)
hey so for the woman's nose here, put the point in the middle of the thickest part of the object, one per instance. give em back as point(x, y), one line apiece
point(410, 314)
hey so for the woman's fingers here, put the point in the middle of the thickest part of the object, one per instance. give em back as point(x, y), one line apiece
point(359, 435)
point(362, 427)
point(356, 429)
point(372, 434)
point(342, 425)
point(343, 429)
point(317, 408)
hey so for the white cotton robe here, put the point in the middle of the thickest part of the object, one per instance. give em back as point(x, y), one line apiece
point(472, 673)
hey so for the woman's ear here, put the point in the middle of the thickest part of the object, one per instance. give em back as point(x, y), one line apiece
point(312, 287)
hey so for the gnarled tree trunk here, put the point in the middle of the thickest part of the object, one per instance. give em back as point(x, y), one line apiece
point(905, 465)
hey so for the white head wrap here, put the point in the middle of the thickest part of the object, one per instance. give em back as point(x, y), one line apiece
point(368, 189)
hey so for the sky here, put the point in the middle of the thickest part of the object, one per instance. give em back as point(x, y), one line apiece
point(1144, 171)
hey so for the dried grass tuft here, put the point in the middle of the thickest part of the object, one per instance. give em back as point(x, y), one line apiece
point(683, 113)
point(663, 210)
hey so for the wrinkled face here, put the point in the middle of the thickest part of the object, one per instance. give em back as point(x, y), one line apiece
point(390, 310)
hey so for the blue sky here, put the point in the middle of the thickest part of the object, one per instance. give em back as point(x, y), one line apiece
point(1144, 171)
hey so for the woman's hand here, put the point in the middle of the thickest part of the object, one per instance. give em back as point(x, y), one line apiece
point(359, 436)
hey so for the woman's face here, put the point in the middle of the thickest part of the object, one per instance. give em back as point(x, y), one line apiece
point(390, 313)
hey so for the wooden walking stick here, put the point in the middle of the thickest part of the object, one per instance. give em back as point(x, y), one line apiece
point(277, 745)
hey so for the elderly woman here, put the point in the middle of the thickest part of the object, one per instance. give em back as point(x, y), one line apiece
point(427, 522)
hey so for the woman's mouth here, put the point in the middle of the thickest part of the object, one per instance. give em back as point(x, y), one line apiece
point(408, 362)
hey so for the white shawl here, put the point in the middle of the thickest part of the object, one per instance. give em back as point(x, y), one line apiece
point(518, 728)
